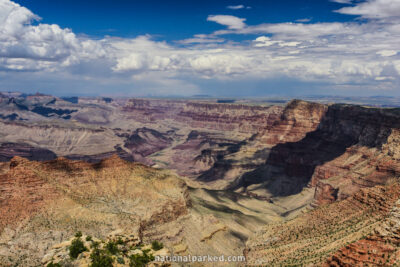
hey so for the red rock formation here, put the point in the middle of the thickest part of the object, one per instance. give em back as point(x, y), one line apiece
point(380, 248)
point(22, 193)
point(297, 119)
point(223, 117)
point(312, 237)
point(338, 149)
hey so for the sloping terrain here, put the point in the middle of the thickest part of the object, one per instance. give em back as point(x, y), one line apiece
point(45, 203)
point(42, 203)
point(314, 236)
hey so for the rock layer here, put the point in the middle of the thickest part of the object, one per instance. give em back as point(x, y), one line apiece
point(314, 236)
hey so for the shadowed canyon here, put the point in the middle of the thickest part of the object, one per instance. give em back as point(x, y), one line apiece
point(291, 184)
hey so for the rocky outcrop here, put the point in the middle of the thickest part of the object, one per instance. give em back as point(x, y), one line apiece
point(121, 249)
point(144, 142)
point(41, 203)
point(380, 248)
point(297, 119)
point(314, 236)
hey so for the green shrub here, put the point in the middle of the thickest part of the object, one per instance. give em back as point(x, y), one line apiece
point(112, 247)
point(51, 264)
point(78, 234)
point(95, 244)
point(100, 258)
point(76, 248)
point(119, 241)
point(88, 238)
point(155, 245)
point(138, 260)
point(121, 260)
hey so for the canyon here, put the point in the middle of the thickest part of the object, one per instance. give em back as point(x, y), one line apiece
point(297, 183)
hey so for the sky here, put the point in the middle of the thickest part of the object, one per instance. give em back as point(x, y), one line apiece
point(184, 48)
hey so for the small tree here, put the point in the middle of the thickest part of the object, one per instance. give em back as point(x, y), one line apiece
point(112, 248)
point(138, 260)
point(100, 258)
point(155, 245)
point(76, 248)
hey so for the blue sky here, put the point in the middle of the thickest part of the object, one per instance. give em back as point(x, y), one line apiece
point(172, 20)
point(183, 48)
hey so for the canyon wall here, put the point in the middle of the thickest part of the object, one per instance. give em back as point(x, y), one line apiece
point(351, 147)
point(222, 117)
point(262, 151)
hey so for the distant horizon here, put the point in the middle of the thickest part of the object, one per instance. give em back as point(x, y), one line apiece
point(32, 93)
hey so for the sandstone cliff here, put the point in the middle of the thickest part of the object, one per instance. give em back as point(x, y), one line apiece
point(350, 148)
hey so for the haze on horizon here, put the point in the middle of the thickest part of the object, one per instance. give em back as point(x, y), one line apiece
point(218, 48)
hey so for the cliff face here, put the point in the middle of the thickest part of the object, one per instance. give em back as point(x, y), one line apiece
point(351, 158)
point(370, 158)
point(338, 149)
point(297, 119)
point(222, 117)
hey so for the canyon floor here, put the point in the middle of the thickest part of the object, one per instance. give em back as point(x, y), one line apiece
point(284, 184)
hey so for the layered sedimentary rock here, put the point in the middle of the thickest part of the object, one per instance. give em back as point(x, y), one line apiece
point(380, 248)
point(350, 148)
point(313, 237)
point(334, 166)
point(57, 139)
point(45, 203)
point(223, 117)
point(41, 203)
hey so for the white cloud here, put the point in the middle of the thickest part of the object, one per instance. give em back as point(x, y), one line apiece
point(201, 39)
point(387, 53)
point(300, 30)
point(342, 1)
point(375, 9)
point(264, 41)
point(235, 7)
point(346, 55)
point(21, 40)
point(304, 20)
point(231, 22)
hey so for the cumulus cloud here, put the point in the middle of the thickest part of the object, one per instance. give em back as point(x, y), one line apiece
point(231, 22)
point(22, 43)
point(264, 41)
point(343, 55)
point(375, 9)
